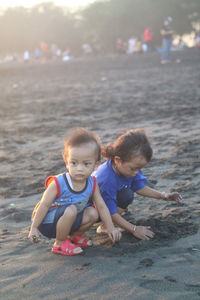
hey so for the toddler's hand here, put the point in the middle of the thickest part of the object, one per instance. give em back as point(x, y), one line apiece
point(143, 232)
point(173, 197)
point(34, 235)
point(115, 235)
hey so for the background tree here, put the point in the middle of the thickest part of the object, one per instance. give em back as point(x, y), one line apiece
point(103, 20)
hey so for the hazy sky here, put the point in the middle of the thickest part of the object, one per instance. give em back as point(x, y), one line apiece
point(29, 3)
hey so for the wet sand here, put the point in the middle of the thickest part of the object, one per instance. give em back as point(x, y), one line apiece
point(39, 103)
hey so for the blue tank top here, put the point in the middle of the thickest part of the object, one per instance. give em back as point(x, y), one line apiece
point(67, 196)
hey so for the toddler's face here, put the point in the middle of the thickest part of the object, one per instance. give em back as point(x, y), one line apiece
point(81, 161)
point(130, 168)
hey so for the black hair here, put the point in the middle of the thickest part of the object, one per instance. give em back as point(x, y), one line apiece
point(133, 142)
point(79, 136)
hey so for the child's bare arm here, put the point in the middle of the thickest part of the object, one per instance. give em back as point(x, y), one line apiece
point(114, 233)
point(151, 193)
point(46, 201)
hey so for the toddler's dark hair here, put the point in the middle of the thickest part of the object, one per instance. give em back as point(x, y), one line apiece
point(133, 142)
point(79, 136)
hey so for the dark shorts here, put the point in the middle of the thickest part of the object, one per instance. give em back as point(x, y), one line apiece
point(124, 198)
point(49, 230)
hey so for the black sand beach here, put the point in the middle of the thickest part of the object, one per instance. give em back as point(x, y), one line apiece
point(39, 103)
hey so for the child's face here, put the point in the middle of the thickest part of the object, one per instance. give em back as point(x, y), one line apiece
point(81, 161)
point(129, 168)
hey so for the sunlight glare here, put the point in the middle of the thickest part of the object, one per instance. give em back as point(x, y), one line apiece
point(29, 3)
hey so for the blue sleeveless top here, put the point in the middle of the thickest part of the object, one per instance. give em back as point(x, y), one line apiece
point(67, 196)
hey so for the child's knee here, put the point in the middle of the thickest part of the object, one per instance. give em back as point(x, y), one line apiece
point(92, 214)
point(71, 211)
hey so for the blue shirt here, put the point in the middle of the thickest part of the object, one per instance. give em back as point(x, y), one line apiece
point(110, 183)
point(67, 196)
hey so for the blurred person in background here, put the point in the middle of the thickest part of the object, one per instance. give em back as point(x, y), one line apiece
point(167, 34)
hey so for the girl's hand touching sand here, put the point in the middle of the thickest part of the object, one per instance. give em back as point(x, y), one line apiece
point(175, 196)
point(143, 232)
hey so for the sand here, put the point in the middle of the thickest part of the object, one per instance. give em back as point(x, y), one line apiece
point(39, 103)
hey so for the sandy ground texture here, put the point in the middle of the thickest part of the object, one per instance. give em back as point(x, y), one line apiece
point(39, 103)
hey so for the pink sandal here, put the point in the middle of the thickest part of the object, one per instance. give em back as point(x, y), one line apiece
point(81, 241)
point(67, 248)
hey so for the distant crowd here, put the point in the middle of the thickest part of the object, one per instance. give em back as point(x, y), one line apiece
point(146, 43)
point(45, 52)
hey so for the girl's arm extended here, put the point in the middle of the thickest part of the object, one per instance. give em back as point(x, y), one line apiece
point(114, 233)
point(151, 193)
point(46, 201)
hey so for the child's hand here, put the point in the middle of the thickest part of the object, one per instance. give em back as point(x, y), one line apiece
point(173, 197)
point(115, 235)
point(34, 235)
point(143, 232)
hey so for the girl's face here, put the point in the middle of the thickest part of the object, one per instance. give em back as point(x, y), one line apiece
point(81, 161)
point(129, 168)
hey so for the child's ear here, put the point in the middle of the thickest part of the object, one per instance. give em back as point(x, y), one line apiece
point(65, 161)
point(117, 160)
point(63, 156)
point(66, 165)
